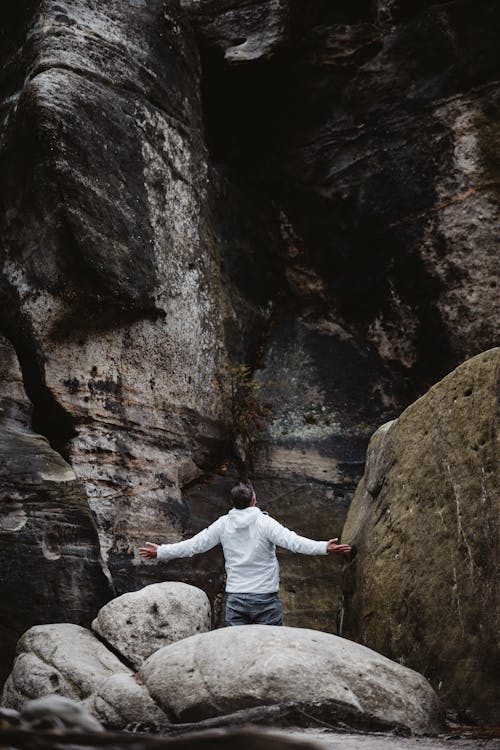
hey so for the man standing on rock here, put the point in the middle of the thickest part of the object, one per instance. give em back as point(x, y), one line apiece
point(249, 538)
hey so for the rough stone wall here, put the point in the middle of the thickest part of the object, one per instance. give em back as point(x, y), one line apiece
point(312, 191)
point(366, 149)
point(50, 562)
point(109, 271)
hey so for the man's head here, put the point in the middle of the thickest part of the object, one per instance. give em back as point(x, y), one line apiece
point(242, 495)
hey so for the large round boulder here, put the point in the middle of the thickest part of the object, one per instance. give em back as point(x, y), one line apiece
point(62, 658)
point(216, 673)
point(141, 622)
point(424, 588)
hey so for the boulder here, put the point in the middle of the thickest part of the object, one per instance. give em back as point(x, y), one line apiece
point(141, 622)
point(215, 673)
point(59, 712)
point(122, 702)
point(424, 588)
point(64, 659)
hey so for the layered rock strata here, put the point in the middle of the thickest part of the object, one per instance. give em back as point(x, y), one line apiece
point(108, 268)
point(339, 230)
point(50, 563)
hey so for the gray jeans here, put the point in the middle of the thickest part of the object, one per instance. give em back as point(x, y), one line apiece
point(253, 609)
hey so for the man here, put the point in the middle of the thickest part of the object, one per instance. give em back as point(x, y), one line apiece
point(249, 538)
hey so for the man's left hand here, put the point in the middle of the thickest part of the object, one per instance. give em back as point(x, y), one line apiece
point(337, 549)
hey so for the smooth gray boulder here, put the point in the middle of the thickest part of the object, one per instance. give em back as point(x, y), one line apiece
point(141, 622)
point(216, 673)
point(61, 658)
point(123, 701)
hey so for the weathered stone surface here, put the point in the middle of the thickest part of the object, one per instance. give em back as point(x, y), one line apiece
point(379, 154)
point(141, 622)
point(348, 204)
point(326, 391)
point(122, 701)
point(424, 588)
point(108, 264)
point(249, 31)
point(219, 672)
point(50, 563)
point(64, 659)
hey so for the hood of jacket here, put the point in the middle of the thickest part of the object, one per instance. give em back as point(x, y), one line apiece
point(241, 518)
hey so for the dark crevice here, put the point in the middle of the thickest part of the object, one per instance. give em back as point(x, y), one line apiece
point(49, 418)
point(254, 115)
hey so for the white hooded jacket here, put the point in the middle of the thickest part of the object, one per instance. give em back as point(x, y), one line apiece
point(249, 538)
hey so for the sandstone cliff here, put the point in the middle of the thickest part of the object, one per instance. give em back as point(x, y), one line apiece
point(186, 185)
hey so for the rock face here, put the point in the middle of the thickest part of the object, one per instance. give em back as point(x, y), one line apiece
point(424, 588)
point(64, 659)
point(255, 665)
point(310, 190)
point(326, 391)
point(109, 276)
point(49, 550)
point(374, 137)
point(121, 310)
point(141, 622)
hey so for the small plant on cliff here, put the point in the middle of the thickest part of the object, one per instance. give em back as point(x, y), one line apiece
point(249, 416)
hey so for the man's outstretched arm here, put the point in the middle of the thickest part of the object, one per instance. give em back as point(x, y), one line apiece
point(201, 542)
point(283, 537)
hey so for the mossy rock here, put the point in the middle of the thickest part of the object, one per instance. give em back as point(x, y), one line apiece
point(424, 587)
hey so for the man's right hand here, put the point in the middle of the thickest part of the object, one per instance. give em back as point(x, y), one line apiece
point(149, 551)
point(337, 549)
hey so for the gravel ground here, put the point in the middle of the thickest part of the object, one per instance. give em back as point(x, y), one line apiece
point(334, 741)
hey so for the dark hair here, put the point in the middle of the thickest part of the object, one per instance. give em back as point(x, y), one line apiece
point(242, 495)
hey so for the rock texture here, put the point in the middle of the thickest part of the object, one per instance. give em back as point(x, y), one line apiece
point(50, 563)
point(108, 269)
point(219, 672)
point(122, 702)
point(326, 391)
point(251, 31)
point(63, 712)
point(374, 137)
point(311, 190)
point(64, 659)
point(424, 588)
point(141, 622)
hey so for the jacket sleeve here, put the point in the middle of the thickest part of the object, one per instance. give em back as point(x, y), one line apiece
point(283, 537)
point(201, 542)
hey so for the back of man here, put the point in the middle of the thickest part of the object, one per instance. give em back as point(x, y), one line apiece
point(251, 564)
point(249, 538)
